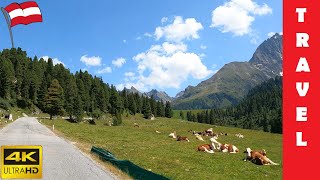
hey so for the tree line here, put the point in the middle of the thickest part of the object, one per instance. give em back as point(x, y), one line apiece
point(260, 110)
point(39, 84)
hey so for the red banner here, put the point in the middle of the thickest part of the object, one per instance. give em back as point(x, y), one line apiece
point(301, 123)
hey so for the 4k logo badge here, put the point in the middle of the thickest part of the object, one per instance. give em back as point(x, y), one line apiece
point(21, 162)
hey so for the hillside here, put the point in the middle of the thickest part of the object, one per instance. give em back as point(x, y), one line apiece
point(261, 109)
point(177, 160)
point(233, 81)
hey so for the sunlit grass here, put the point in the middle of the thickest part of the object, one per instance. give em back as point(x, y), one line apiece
point(178, 160)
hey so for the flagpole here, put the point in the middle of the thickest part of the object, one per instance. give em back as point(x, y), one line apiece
point(9, 24)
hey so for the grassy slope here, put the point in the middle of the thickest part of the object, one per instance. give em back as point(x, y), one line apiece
point(16, 113)
point(178, 160)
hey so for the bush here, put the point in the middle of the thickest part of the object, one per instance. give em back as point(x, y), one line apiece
point(117, 120)
point(96, 114)
point(4, 104)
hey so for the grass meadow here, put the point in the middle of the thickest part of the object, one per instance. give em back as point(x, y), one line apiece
point(177, 160)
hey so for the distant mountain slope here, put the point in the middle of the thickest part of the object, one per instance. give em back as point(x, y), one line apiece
point(232, 82)
point(261, 109)
point(159, 95)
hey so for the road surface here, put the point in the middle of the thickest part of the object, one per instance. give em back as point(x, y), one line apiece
point(61, 160)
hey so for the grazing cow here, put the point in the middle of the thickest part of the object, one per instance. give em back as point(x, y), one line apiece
point(239, 135)
point(173, 135)
point(215, 142)
point(199, 137)
point(257, 157)
point(209, 132)
point(182, 138)
point(229, 148)
point(206, 148)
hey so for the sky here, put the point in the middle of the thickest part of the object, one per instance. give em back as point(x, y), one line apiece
point(160, 44)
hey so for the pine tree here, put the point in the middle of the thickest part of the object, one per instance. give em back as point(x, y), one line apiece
point(147, 109)
point(182, 115)
point(168, 110)
point(115, 101)
point(54, 99)
point(117, 119)
point(132, 104)
point(7, 78)
point(71, 96)
point(78, 109)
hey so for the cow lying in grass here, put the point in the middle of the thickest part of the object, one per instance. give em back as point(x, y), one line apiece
point(215, 143)
point(199, 137)
point(258, 157)
point(229, 148)
point(223, 147)
point(173, 135)
point(182, 138)
point(206, 148)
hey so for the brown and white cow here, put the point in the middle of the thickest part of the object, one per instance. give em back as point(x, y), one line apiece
point(258, 157)
point(229, 148)
point(182, 138)
point(206, 148)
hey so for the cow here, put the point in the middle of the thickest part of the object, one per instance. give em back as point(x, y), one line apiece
point(206, 148)
point(229, 148)
point(257, 157)
point(173, 135)
point(182, 138)
point(215, 142)
point(199, 137)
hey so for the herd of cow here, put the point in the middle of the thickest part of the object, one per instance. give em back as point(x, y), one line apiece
point(255, 156)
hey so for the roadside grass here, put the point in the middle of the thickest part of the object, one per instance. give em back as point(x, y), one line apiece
point(177, 160)
point(16, 114)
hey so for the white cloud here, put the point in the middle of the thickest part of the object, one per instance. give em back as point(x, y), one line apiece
point(119, 62)
point(105, 70)
point(203, 47)
point(237, 16)
point(270, 34)
point(55, 61)
point(120, 87)
point(164, 20)
point(124, 41)
point(179, 30)
point(147, 34)
point(129, 74)
point(139, 38)
point(167, 66)
point(254, 41)
point(91, 61)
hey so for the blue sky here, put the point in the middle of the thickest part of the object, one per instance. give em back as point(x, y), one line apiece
point(165, 45)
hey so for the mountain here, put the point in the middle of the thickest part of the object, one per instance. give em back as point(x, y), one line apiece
point(133, 90)
point(159, 95)
point(261, 109)
point(234, 80)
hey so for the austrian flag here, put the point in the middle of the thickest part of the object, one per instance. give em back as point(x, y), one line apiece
point(24, 13)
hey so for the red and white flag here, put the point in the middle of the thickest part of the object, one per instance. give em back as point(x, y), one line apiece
point(24, 13)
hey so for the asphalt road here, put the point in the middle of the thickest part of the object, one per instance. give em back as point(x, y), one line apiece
point(61, 160)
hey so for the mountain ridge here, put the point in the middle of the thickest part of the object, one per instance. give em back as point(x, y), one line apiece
point(233, 81)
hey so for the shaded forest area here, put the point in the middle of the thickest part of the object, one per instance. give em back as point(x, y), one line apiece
point(260, 110)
